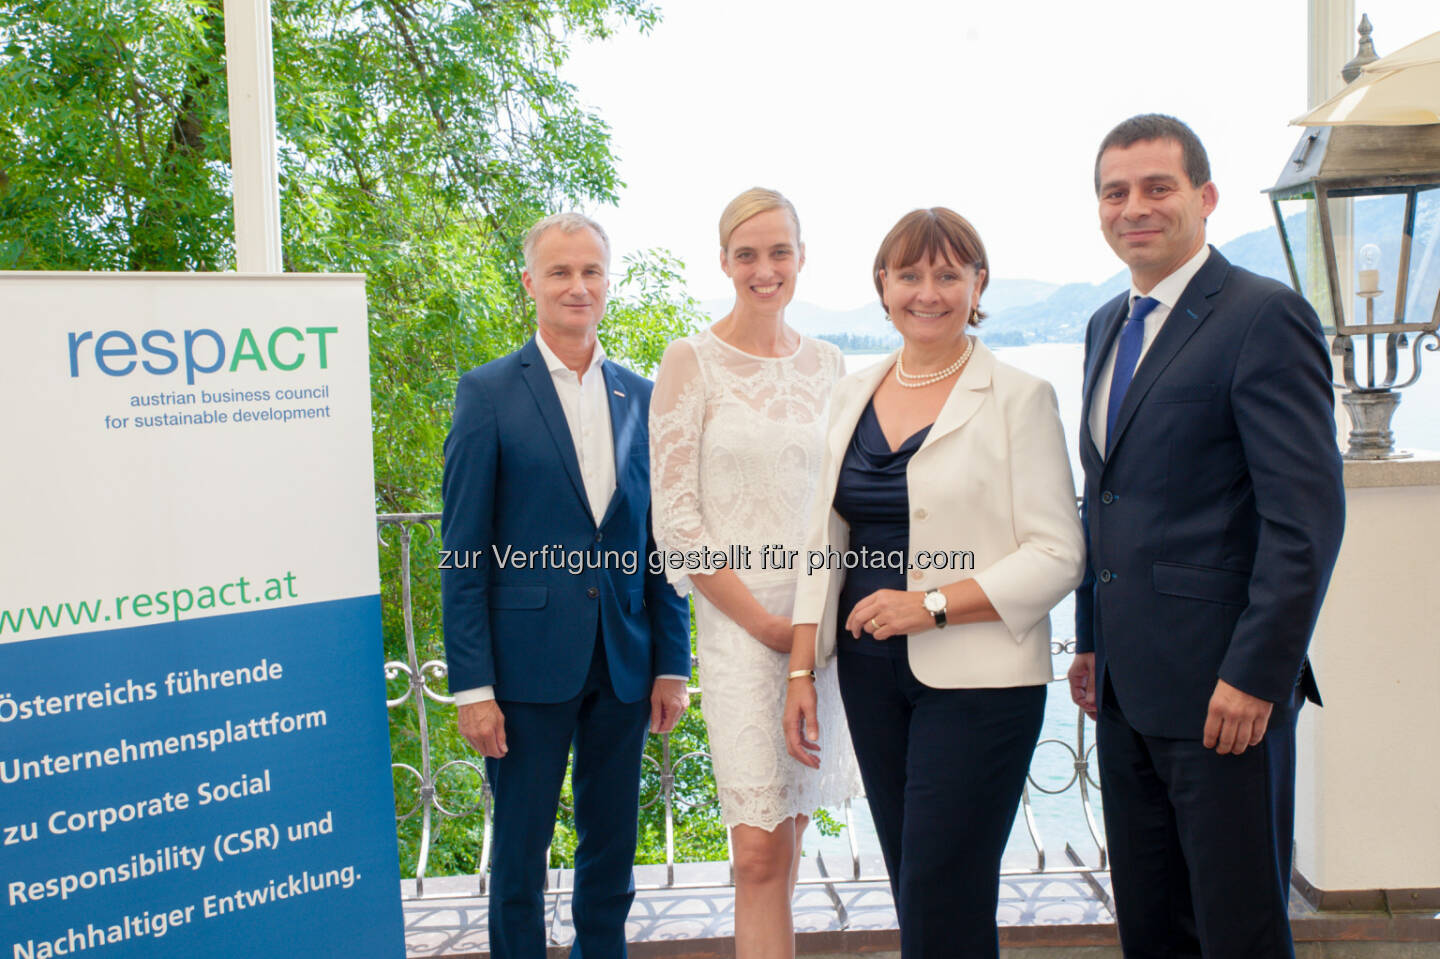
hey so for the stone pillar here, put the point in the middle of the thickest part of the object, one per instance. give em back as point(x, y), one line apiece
point(1366, 831)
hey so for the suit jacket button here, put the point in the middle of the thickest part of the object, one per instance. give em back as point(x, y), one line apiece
point(1107, 497)
point(1106, 576)
point(599, 536)
point(917, 575)
point(592, 592)
point(920, 513)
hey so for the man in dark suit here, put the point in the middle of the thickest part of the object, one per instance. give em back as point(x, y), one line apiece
point(1213, 510)
point(556, 633)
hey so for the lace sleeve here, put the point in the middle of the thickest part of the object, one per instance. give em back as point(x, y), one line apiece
point(677, 418)
point(835, 363)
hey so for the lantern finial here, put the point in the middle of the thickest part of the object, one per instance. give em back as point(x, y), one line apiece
point(1365, 54)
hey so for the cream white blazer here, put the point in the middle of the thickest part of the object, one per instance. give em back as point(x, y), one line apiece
point(992, 478)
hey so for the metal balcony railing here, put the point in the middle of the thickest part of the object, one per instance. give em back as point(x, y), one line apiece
point(454, 790)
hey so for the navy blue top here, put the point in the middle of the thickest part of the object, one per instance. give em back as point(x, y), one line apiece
point(871, 495)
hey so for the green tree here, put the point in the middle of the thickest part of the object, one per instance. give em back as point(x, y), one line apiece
point(419, 139)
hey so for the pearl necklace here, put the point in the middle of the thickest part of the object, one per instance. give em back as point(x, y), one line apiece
point(915, 382)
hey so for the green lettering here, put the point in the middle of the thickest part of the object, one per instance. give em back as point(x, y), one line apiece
point(247, 340)
point(299, 357)
point(320, 333)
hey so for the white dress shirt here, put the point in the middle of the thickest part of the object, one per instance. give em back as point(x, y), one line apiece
point(1167, 292)
point(587, 412)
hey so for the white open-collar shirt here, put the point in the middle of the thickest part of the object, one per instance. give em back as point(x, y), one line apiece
point(587, 413)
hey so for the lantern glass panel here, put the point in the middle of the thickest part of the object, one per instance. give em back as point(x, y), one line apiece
point(1302, 234)
point(1368, 233)
point(1420, 303)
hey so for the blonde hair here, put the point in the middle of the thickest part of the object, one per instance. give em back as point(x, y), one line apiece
point(565, 223)
point(754, 201)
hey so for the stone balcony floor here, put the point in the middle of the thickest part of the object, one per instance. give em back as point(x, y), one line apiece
point(1062, 914)
point(695, 917)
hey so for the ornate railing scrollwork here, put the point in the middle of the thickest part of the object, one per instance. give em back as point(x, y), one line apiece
point(430, 792)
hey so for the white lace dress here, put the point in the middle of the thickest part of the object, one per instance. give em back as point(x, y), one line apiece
point(735, 448)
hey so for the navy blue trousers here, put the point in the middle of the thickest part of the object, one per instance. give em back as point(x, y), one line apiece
point(943, 771)
point(1199, 843)
point(608, 737)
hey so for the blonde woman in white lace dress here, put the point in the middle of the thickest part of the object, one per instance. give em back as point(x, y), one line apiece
point(737, 422)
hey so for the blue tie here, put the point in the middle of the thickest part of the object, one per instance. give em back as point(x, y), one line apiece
point(1127, 355)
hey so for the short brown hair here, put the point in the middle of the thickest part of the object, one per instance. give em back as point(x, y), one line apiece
point(938, 233)
point(1158, 126)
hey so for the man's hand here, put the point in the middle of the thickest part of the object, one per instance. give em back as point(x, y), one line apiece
point(1082, 682)
point(668, 701)
point(802, 723)
point(483, 726)
point(1236, 720)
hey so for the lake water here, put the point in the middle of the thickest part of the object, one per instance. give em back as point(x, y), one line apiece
point(1416, 424)
point(1060, 819)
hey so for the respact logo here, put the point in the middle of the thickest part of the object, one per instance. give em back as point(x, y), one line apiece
point(116, 353)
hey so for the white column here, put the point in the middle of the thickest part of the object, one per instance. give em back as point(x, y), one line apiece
point(250, 72)
point(1333, 37)
point(1332, 44)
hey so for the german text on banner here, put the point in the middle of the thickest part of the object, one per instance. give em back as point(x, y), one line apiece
point(194, 757)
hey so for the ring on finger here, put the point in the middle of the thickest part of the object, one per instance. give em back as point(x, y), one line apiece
point(874, 626)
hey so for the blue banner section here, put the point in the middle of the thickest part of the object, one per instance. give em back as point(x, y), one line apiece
point(209, 787)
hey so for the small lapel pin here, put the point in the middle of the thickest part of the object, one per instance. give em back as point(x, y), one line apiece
point(618, 393)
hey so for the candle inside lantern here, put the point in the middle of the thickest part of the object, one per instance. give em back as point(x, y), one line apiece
point(1369, 269)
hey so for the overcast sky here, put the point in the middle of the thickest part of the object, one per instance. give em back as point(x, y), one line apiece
point(861, 111)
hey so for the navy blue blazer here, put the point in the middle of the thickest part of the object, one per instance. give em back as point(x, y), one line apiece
point(1215, 522)
point(512, 482)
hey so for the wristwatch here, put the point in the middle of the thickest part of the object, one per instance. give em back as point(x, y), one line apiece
point(935, 604)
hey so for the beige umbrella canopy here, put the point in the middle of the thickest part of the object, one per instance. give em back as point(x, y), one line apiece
point(1402, 89)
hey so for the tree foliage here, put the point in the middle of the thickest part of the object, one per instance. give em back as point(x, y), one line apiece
point(113, 143)
point(418, 140)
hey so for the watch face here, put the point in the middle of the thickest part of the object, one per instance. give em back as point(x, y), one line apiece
point(935, 601)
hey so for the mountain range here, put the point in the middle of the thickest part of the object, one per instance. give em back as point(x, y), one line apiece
point(1033, 311)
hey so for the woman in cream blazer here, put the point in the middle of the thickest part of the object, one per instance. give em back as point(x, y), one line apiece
point(944, 530)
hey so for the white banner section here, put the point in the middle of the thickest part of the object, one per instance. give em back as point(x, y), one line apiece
point(173, 432)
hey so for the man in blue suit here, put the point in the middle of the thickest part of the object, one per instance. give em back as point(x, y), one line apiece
point(1213, 509)
point(556, 633)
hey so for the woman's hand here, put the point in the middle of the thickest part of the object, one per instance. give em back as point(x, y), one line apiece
point(890, 612)
point(774, 631)
point(726, 593)
point(802, 723)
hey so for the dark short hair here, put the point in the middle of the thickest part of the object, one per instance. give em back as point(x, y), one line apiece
point(1158, 126)
point(938, 232)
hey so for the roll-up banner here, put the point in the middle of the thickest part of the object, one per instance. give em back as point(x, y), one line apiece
point(194, 756)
